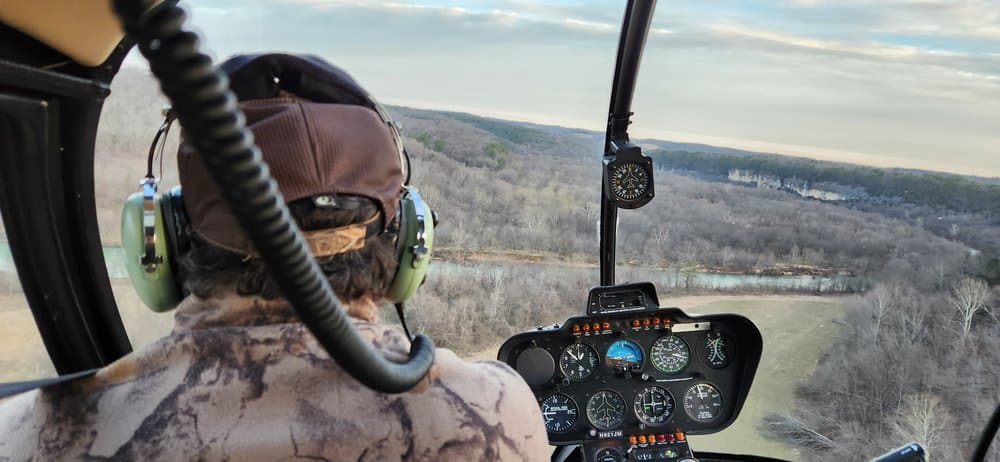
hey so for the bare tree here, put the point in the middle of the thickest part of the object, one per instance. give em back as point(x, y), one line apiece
point(881, 301)
point(923, 418)
point(969, 297)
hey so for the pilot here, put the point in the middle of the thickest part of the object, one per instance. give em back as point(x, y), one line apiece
point(239, 377)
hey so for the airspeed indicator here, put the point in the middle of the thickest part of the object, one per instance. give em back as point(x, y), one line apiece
point(670, 354)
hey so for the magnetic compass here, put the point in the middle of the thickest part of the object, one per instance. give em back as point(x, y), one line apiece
point(628, 177)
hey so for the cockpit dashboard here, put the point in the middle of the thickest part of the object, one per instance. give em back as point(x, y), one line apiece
point(631, 380)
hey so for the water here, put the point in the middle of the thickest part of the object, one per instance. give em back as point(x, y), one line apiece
point(114, 257)
point(667, 279)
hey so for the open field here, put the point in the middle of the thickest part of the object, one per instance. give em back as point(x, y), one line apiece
point(796, 331)
point(22, 355)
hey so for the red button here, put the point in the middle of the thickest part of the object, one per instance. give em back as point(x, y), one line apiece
point(670, 437)
point(661, 438)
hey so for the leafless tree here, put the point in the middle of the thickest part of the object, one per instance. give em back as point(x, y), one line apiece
point(969, 297)
point(922, 418)
point(881, 301)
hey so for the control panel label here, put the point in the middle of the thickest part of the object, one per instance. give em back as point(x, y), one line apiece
point(610, 434)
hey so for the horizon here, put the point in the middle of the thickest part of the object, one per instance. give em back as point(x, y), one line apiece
point(911, 84)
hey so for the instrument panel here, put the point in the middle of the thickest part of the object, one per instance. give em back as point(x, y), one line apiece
point(636, 380)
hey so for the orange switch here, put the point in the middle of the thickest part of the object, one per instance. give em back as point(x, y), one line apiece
point(680, 436)
point(586, 327)
point(606, 325)
point(642, 439)
point(651, 438)
point(633, 440)
point(656, 321)
point(576, 329)
point(645, 322)
point(597, 326)
point(635, 323)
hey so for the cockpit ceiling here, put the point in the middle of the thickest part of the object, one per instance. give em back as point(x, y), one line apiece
point(84, 30)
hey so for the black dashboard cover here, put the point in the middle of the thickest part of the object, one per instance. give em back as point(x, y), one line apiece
point(644, 328)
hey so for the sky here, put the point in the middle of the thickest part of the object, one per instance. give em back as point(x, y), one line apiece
point(894, 83)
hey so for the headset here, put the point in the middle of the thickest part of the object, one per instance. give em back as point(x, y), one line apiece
point(155, 232)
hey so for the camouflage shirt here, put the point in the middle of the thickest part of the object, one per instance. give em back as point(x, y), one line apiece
point(240, 379)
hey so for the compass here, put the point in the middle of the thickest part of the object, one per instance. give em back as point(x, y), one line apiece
point(628, 178)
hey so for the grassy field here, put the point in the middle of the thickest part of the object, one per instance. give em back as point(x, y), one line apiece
point(22, 355)
point(796, 330)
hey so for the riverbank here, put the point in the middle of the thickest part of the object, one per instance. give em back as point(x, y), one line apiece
point(503, 256)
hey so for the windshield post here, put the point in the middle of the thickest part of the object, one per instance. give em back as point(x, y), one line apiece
point(635, 25)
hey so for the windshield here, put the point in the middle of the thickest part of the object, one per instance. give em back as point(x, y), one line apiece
point(828, 170)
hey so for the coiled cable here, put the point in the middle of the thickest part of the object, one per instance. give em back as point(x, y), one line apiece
point(215, 126)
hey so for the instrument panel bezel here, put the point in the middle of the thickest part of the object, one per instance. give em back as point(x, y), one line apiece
point(734, 380)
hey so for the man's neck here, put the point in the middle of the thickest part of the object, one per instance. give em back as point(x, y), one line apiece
point(236, 310)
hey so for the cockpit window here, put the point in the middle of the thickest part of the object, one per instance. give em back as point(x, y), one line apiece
point(22, 354)
point(834, 187)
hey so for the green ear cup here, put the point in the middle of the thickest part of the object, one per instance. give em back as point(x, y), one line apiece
point(157, 288)
point(413, 246)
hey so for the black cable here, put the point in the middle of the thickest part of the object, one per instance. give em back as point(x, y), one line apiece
point(214, 125)
point(402, 321)
point(989, 434)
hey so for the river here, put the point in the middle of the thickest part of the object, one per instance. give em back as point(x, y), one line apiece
point(115, 260)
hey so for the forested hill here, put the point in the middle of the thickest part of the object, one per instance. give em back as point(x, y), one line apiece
point(962, 208)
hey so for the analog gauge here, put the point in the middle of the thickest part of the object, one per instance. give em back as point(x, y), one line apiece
point(559, 412)
point(606, 410)
point(629, 180)
point(718, 354)
point(608, 455)
point(653, 406)
point(670, 354)
point(623, 355)
point(578, 361)
point(703, 402)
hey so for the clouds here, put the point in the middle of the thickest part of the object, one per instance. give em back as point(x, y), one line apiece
point(892, 81)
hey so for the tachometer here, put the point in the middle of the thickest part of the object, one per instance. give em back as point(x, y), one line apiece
point(653, 406)
point(559, 412)
point(703, 402)
point(717, 352)
point(578, 361)
point(606, 410)
point(670, 354)
point(624, 355)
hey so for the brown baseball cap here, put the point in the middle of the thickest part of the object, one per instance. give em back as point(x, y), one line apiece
point(311, 149)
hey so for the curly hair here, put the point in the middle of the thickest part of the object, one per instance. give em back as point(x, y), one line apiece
point(210, 271)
